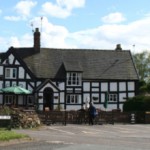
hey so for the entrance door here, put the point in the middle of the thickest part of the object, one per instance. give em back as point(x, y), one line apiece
point(48, 98)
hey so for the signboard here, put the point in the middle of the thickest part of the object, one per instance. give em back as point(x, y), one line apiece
point(5, 117)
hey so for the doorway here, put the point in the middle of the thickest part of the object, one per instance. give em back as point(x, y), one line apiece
point(48, 98)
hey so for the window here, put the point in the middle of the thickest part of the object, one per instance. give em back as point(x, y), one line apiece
point(30, 100)
point(11, 73)
point(72, 99)
point(74, 79)
point(112, 97)
point(10, 99)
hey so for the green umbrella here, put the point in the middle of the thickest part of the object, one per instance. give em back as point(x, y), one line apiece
point(16, 90)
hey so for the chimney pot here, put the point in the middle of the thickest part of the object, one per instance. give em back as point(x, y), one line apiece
point(118, 47)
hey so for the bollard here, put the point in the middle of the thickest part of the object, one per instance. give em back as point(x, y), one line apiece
point(132, 118)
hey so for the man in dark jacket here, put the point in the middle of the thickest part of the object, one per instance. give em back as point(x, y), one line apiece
point(92, 114)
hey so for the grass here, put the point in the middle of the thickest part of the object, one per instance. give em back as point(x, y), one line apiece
point(6, 135)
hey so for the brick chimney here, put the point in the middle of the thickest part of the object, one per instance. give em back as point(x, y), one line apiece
point(118, 47)
point(37, 40)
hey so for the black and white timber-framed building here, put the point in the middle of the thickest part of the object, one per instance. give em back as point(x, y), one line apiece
point(68, 77)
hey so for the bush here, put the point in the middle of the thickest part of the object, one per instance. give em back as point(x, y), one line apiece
point(5, 110)
point(137, 103)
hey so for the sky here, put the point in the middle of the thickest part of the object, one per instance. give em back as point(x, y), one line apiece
point(83, 24)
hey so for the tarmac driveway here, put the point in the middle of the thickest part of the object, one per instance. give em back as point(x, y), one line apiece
point(85, 137)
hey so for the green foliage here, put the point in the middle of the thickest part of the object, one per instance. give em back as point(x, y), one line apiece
point(142, 63)
point(58, 107)
point(5, 110)
point(6, 135)
point(137, 103)
point(144, 87)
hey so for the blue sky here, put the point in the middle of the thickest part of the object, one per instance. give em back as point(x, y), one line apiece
point(90, 24)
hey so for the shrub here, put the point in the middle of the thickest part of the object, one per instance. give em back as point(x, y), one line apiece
point(137, 103)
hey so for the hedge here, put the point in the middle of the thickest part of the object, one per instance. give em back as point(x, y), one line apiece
point(137, 103)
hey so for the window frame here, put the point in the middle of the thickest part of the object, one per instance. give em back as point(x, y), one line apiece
point(72, 99)
point(74, 78)
point(10, 99)
point(112, 97)
point(10, 73)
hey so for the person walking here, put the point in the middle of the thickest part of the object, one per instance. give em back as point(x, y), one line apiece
point(92, 114)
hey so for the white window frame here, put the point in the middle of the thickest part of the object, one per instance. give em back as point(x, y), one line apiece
point(74, 79)
point(11, 73)
point(112, 97)
point(10, 99)
point(72, 99)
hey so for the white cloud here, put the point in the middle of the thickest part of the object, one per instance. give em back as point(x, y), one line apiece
point(116, 17)
point(70, 4)
point(51, 34)
point(105, 36)
point(24, 41)
point(54, 10)
point(14, 41)
point(12, 18)
point(62, 8)
point(23, 9)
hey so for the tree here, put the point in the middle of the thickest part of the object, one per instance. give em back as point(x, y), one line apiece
point(142, 63)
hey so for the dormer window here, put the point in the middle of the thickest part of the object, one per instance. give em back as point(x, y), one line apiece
point(74, 79)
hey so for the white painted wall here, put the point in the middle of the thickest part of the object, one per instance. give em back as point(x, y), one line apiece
point(61, 86)
point(122, 97)
point(62, 97)
point(102, 97)
point(95, 84)
point(95, 89)
point(1, 70)
point(122, 86)
point(21, 73)
point(11, 58)
point(86, 86)
point(113, 86)
point(28, 77)
point(104, 87)
point(73, 107)
point(17, 62)
point(131, 86)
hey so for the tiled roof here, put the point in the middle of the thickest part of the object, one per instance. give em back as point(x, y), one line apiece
point(94, 64)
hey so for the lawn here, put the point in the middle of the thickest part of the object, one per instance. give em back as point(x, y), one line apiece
point(6, 135)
